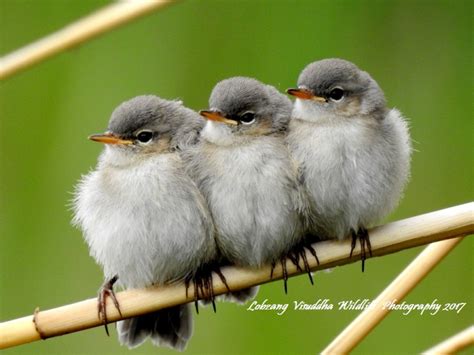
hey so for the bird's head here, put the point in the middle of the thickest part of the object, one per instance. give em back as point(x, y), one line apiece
point(338, 88)
point(245, 107)
point(149, 125)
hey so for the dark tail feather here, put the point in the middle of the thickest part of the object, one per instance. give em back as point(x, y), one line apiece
point(170, 327)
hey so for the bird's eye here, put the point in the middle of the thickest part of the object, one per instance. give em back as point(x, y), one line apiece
point(144, 136)
point(247, 118)
point(336, 94)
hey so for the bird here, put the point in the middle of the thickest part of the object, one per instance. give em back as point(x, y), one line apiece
point(143, 218)
point(352, 151)
point(243, 168)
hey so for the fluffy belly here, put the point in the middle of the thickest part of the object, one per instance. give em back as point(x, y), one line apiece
point(254, 226)
point(337, 176)
point(145, 235)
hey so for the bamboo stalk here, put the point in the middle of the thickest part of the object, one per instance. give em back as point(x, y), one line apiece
point(97, 23)
point(415, 272)
point(390, 238)
point(453, 344)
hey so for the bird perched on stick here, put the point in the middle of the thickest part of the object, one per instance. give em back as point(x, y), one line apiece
point(244, 171)
point(143, 218)
point(353, 152)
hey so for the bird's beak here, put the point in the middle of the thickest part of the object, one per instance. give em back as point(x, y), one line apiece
point(305, 94)
point(217, 116)
point(109, 138)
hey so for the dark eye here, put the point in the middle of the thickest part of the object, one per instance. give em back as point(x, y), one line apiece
point(247, 118)
point(336, 94)
point(144, 136)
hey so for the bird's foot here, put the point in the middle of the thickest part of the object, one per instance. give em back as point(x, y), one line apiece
point(365, 247)
point(107, 290)
point(284, 270)
point(299, 251)
point(203, 284)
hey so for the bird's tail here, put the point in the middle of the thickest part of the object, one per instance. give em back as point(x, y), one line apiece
point(241, 296)
point(170, 327)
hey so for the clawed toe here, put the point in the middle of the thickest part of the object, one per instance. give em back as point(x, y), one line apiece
point(284, 270)
point(300, 251)
point(363, 236)
point(203, 284)
point(297, 253)
point(107, 290)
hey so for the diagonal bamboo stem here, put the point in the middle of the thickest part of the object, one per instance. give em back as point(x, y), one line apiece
point(360, 327)
point(390, 238)
point(453, 344)
point(97, 23)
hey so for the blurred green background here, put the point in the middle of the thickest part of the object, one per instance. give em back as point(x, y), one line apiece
point(420, 52)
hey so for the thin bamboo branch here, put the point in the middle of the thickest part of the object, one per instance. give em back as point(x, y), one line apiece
point(453, 344)
point(390, 238)
point(97, 23)
point(360, 327)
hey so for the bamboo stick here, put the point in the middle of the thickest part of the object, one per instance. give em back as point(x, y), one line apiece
point(453, 344)
point(99, 22)
point(390, 238)
point(415, 272)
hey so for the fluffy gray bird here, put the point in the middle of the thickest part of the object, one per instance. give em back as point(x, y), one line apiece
point(143, 218)
point(244, 171)
point(353, 152)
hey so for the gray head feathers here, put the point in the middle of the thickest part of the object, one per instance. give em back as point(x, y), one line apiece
point(322, 76)
point(149, 112)
point(237, 95)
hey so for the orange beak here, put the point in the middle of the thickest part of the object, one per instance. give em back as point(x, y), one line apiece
point(217, 116)
point(109, 138)
point(305, 94)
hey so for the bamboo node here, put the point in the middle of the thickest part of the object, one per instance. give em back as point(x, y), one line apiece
point(37, 327)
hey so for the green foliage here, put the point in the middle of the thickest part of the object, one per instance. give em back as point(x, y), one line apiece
point(418, 51)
